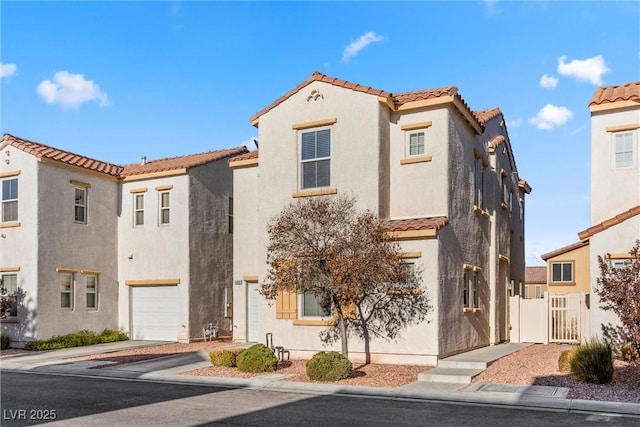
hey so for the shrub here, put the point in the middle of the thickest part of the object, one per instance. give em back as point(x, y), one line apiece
point(77, 339)
point(331, 366)
point(226, 357)
point(564, 361)
point(592, 363)
point(5, 341)
point(629, 353)
point(257, 358)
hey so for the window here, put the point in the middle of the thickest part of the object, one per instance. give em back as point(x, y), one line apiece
point(138, 209)
point(474, 292)
point(416, 145)
point(80, 205)
point(315, 159)
point(538, 291)
point(66, 290)
point(562, 272)
point(623, 150)
point(92, 292)
point(10, 200)
point(525, 295)
point(164, 207)
point(10, 284)
point(470, 288)
point(230, 215)
point(620, 264)
point(311, 306)
point(478, 183)
point(465, 290)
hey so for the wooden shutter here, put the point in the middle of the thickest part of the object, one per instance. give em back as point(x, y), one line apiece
point(286, 305)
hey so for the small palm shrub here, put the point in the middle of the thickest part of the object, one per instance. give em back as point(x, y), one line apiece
point(257, 358)
point(5, 341)
point(226, 357)
point(328, 366)
point(629, 353)
point(564, 361)
point(593, 363)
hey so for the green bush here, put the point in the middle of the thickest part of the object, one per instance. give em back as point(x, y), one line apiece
point(77, 339)
point(629, 353)
point(331, 366)
point(564, 361)
point(257, 358)
point(593, 363)
point(5, 341)
point(226, 357)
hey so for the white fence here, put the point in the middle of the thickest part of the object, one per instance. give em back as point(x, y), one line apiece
point(561, 318)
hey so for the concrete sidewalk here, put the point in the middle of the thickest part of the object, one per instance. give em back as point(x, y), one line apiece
point(168, 369)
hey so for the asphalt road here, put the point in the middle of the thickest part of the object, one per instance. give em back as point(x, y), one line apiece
point(32, 399)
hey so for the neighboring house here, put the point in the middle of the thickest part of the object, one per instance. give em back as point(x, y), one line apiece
point(442, 175)
point(567, 270)
point(87, 244)
point(615, 184)
point(535, 282)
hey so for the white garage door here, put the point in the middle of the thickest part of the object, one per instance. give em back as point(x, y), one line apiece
point(154, 313)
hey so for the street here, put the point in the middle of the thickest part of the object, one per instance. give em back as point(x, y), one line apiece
point(32, 399)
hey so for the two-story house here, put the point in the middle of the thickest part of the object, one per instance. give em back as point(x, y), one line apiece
point(86, 244)
point(442, 176)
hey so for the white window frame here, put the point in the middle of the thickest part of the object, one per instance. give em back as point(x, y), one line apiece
point(94, 291)
point(63, 290)
point(162, 208)
point(301, 308)
point(11, 294)
point(80, 207)
point(7, 200)
point(562, 272)
point(417, 133)
point(538, 291)
point(616, 151)
point(138, 212)
point(310, 160)
point(525, 292)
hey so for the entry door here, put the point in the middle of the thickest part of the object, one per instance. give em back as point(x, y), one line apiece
point(253, 311)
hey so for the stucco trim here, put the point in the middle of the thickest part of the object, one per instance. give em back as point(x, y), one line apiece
point(91, 272)
point(79, 183)
point(142, 176)
point(9, 174)
point(613, 106)
point(66, 270)
point(314, 124)
point(621, 128)
point(503, 205)
point(405, 255)
point(412, 105)
point(410, 160)
point(246, 163)
point(138, 190)
point(163, 187)
point(413, 234)
point(317, 192)
point(153, 282)
point(250, 278)
point(473, 122)
point(418, 125)
point(479, 210)
point(9, 269)
point(10, 224)
point(313, 322)
point(503, 258)
point(619, 255)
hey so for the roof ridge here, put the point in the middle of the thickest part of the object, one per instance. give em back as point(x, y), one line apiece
point(188, 155)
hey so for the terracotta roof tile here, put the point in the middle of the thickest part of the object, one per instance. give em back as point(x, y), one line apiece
point(423, 94)
point(42, 151)
point(597, 228)
point(435, 223)
point(564, 249)
point(535, 275)
point(495, 141)
point(181, 162)
point(484, 116)
point(609, 94)
point(249, 156)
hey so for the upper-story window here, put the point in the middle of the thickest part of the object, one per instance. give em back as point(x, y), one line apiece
point(478, 183)
point(623, 149)
point(165, 207)
point(80, 205)
point(138, 210)
point(562, 272)
point(10, 199)
point(315, 159)
point(416, 145)
point(230, 209)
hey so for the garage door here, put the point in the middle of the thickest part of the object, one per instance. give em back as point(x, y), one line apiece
point(154, 313)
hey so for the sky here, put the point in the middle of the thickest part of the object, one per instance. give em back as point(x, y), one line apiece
point(120, 80)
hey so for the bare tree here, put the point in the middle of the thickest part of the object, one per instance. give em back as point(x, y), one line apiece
point(324, 247)
point(619, 290)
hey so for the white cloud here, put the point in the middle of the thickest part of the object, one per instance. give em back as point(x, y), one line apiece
point(589, 70)
point(551, 116)
point(491, 8)
point(548, 82)
point(8, 70)
point(357, 45)
point(515, 122)
point(70, 90)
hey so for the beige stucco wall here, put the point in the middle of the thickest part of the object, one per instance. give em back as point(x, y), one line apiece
point(581, 272)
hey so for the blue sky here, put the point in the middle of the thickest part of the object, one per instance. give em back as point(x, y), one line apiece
point(119, 80)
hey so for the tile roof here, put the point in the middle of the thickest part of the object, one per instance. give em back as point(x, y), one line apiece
point(535, 275)
point(397, 99)
point(484, 116)
point(41, 151)
point(181, 162)
point(564, 249)
point(247, 156)
point(609, 94)
point(609, 223)
point(414, 224)
point(495, 141)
